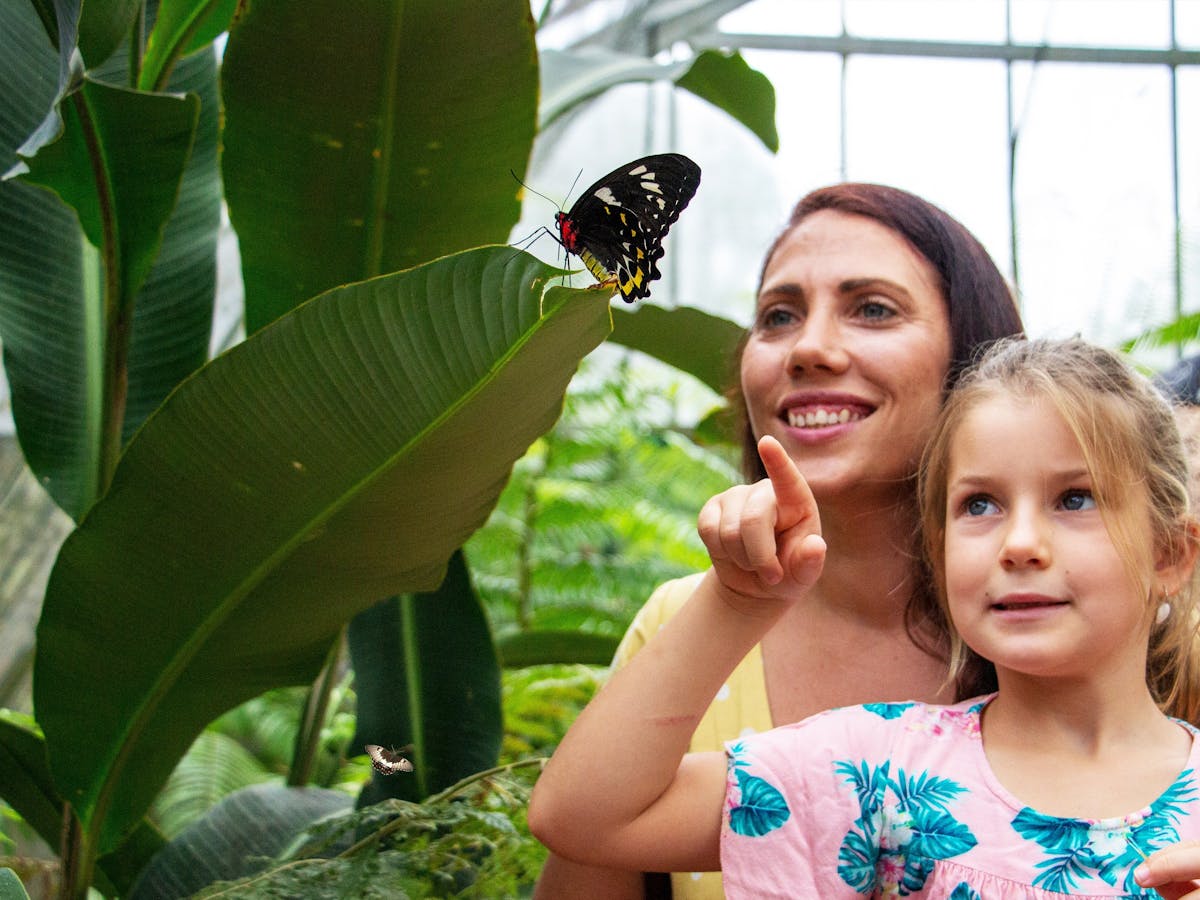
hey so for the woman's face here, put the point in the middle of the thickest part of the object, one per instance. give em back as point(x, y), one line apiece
point(847, 354)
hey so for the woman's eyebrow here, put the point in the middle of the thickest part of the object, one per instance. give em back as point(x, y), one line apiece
point(850, 285)
point(786, 289)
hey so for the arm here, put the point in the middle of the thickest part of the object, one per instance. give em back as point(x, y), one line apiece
point(619, 791)
point(563, 878)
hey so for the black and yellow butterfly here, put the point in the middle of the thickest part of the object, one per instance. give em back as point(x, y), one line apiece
point(617, 226)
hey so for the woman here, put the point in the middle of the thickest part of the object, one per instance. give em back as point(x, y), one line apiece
point(870, 303)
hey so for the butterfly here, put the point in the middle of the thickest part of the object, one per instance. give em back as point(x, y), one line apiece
point(617, 226)
point(387, 762)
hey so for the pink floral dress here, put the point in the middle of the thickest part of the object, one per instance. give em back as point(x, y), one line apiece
point(898, 799)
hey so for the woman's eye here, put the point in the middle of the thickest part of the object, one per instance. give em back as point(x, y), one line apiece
point(978, 506)
point(776, 317)
point(1077, 501)
point(872, 309)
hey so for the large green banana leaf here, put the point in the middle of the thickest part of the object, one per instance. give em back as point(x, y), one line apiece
point(339, 456)
point(53, 287)
point(368, 138)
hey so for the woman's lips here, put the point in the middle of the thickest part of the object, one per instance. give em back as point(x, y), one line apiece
point(818, 410)
point(822, 416)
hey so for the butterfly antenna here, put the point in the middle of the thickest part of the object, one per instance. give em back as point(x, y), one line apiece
point(531, 190)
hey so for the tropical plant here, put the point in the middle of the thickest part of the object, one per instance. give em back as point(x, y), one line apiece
point(234, 516)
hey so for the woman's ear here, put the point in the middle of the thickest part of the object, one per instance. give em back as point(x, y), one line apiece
point(1175, 564)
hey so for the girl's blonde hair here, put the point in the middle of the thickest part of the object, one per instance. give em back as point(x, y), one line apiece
point(1129, 440)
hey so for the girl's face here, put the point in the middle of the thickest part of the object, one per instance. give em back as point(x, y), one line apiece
point(846, 358)
point(1033, 580)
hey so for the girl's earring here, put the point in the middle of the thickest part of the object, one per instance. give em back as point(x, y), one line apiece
point(1164, 608)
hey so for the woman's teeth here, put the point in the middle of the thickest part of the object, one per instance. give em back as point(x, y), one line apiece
point(821, 417)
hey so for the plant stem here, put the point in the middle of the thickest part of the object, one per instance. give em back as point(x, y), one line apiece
point(316, 709)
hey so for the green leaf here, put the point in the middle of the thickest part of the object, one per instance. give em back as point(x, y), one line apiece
point(727, 82)
point(235, 838)
point(426, 674)
point(332, 459)
point(26, 785)
point(1182, 331)
point(51, 277)
point(182, 26)
point(10, 886)
point(39, 50)
point(216, 765)
point(25, 781)
point(374, 147)
point(173, 311)
point(691, 340)
point(102, 27)
point(536, 648)
point(42, 307)
point(118, 165)
point(570, 78)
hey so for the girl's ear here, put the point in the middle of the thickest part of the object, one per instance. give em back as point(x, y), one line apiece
point(1175, 564)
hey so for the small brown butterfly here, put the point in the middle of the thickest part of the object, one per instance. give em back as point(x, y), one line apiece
point(387, 762)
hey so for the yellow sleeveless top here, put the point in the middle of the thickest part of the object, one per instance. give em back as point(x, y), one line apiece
point(740, 707)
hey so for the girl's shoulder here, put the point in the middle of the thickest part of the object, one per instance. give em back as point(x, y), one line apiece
point(876, 725)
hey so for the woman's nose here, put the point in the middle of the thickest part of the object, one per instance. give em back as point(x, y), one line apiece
point(819, 344)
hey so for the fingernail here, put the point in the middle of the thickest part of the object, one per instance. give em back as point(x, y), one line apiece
point(1141, 873)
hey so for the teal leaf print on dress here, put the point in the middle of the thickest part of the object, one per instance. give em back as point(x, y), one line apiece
point(888, 710)
point(965, 892)
point(1077, 851)
point(904, 826)
point(761, 809)
point(858, 858)
point(938, 835)
point(869, 784)
point(926, 791)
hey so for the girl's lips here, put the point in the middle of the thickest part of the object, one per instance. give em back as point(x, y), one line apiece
point(1027, 606)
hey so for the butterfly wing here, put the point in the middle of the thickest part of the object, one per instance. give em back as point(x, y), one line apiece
point(618, 224)
point(387, 762)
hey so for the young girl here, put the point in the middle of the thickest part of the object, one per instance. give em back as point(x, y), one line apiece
point(1055, 505)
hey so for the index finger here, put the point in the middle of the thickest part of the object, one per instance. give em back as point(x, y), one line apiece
point(793, 499)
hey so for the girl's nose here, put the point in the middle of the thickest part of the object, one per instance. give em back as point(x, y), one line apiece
point(819, 344)
point(1026, 542)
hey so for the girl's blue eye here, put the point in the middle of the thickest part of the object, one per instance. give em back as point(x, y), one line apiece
point(1077, 501)
point(978, 506)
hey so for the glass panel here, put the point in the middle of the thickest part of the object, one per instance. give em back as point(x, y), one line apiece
point(1188, 86)
point(746, 193)
point(1187, 23)
point(1094, 218)
point(929, 20)
point(936, 128)
point(822, 17)
point(1120, 23)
